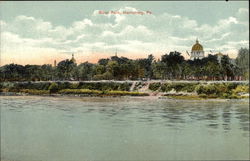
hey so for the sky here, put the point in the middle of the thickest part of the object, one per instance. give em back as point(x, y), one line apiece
point(35, 32)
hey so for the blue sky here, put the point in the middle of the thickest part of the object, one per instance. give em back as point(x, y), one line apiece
point(39, 32)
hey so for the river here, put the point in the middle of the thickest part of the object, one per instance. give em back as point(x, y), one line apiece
point(75, 129)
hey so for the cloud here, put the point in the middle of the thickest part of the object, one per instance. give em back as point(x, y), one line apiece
point(141, 34)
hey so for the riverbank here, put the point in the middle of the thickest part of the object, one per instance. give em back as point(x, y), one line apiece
point(160, 89)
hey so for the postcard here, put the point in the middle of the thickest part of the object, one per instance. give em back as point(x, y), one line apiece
point(124, 80)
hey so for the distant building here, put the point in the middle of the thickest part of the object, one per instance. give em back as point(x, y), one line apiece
point(219, 56)
point(73, 59)
point(197, 51)
point(54, 63)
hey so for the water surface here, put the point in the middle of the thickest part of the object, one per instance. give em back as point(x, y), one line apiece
point(72, 129)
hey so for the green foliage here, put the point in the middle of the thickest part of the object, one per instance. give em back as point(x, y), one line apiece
point(103, 86)
point(207, 89)
point(241, 89)
point(100, 93)
point(125, 93)
point(53, 88)
point(65, 69)
point(185, 87)
point(73, 85)
point(223, 90)
point(35, 92)
point(80, 91)
point(154, 86)
point(170, 66)
point(242, 61)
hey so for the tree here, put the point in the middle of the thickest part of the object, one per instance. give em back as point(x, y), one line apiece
point(173, 61)
point(13, 72)
point(65, 69)
point(242, 61)
point(212, 70)
point(86, 71)
point(103, 61)
point(226, 66)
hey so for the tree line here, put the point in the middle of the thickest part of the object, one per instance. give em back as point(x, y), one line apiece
point(171, 66)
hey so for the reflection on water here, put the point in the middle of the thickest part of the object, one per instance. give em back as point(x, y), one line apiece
point(141, 129)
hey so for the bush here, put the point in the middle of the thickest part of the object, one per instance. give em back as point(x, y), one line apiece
point(104, 86)
point(206, 89)
point(224, 90)
point(154, 86)
point(241, 89)
point(64, 85)
point(189, 87)
point(73, 85)
point(53, 88)
point(166, 87)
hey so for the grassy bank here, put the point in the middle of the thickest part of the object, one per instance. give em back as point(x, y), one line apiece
point(202, 90)
point(182, 90)
point(70, 88)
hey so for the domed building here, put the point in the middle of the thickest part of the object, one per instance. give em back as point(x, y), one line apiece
point(197, 51)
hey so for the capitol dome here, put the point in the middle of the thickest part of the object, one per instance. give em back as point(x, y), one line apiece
point(197, 51)
point(197, 46)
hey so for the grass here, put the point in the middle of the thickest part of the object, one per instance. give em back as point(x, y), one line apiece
point(35, 92)
point(203, 90)
point(189, 97)
point(101, 93)
point(125, 93)
point(80, 91)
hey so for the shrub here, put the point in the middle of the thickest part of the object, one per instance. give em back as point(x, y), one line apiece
point(104, 86)
point(73, 85)
point(224, 90)
point(53, 88)
point(189, 87)
point(154, 86)
point(124, 86)
point(63, 85)
point(166, 87)
point(206, 89)
point(241, 89)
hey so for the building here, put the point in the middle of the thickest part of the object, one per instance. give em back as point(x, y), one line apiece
point(219, 56)
point(197, 51)
point(55, 63)
point(73, 59)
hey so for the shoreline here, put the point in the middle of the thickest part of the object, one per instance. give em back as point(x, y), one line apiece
point(147, 89)
point(172, 97)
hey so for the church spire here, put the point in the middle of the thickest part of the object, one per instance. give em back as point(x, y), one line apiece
point(197, 41)
point(73, 59)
